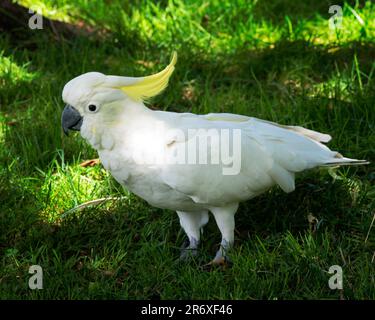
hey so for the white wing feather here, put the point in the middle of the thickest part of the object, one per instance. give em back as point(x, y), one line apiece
point(271, 154)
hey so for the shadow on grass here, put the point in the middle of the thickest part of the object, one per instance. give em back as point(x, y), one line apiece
point(319, 61)
point(276, 11)
point(278, 212)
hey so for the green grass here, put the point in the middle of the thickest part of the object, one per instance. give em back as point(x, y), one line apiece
point(271, 60)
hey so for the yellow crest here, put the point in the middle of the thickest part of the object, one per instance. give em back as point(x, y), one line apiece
point(150, 86)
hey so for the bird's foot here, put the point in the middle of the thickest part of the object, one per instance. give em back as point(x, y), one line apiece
point(189, 249)
point(221, 262)
point(221, 259)
point(187, 254)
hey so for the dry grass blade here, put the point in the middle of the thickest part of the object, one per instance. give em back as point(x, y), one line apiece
point(90, 203)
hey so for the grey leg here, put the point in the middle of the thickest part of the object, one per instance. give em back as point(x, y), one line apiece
point(192, 223)
point(224, 217)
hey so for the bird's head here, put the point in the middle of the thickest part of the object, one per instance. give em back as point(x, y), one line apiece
point(94, 97)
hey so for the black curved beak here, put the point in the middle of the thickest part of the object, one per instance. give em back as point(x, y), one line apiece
point(71, 119)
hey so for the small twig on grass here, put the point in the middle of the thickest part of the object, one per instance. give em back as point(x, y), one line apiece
point(90, 203)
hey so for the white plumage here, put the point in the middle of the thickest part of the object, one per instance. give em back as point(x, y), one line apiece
point(139, 146)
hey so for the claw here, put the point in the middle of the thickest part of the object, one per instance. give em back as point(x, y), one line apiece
point(222, 262)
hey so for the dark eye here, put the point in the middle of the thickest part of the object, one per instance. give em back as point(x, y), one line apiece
point(92, 107)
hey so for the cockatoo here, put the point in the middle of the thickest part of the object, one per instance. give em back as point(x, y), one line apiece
point(192, 164)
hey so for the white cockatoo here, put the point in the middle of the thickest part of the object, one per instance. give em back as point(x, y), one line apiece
point(192, 164)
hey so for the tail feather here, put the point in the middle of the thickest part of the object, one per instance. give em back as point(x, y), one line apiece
point(345, 162)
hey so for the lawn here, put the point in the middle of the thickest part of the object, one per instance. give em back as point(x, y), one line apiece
point(276, 60)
